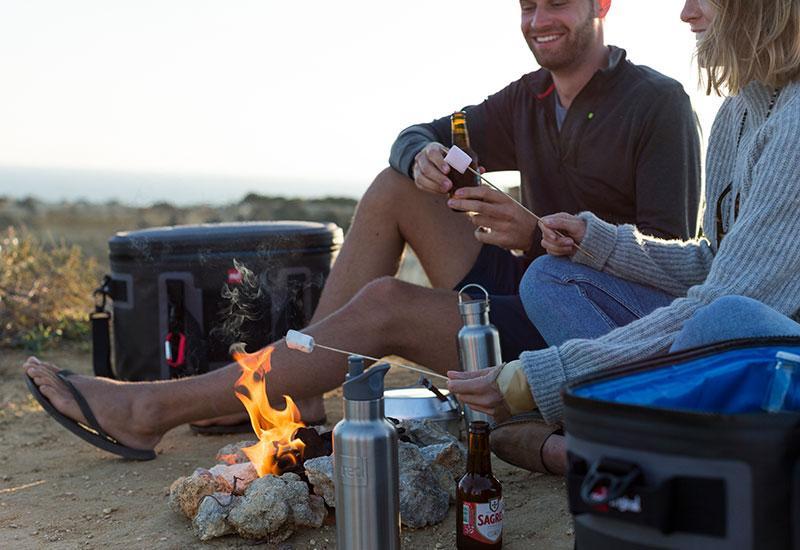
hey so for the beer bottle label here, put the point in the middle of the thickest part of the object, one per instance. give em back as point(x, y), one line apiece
point(483, 521)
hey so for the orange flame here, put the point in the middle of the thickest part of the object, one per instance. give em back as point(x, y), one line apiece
point(277, 449)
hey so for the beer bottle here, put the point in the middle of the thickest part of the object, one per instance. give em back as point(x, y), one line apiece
point(479, 496)
point(460, 137)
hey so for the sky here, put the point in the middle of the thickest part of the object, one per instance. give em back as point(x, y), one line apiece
point(206, 99)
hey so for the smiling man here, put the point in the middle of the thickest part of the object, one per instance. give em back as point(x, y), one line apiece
point(589, 131)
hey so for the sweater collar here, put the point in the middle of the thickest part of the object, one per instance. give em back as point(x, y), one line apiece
point(756, 97)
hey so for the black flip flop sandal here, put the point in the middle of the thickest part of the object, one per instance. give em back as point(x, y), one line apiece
point(91, 433)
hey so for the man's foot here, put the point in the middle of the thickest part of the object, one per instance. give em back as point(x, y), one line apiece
point(312, 411)
point(117, 406)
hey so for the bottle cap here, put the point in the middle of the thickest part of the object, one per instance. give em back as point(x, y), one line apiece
point(355, 366)
point(478, 427)
point(364, 385)
point(786, 356)
point(473, 306)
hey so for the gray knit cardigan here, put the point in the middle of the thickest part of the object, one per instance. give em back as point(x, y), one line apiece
point(759, 256)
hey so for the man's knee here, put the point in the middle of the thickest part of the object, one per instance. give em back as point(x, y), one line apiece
point(378, 300)
point(387, 186)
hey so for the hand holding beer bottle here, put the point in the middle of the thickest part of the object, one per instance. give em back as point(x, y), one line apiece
point(433, 174)
point(479, 517)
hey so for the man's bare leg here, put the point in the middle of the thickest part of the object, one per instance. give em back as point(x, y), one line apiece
point(393, 212)
point(386, 316)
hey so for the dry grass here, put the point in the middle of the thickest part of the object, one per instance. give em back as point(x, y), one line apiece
point(45, 291)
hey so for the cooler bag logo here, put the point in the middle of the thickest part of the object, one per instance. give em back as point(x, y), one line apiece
point(235, 276)
point(483, 521)
point(621, 504)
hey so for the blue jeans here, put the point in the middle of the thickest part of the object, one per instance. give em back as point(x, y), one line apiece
point(733, 317)
point(565, 300)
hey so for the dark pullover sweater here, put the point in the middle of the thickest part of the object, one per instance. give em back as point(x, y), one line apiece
point(628, 150)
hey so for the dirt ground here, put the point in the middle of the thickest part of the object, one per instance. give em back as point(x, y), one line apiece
point(56, 491)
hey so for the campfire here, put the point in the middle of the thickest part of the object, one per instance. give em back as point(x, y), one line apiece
point(284, 481)
point(278, 449)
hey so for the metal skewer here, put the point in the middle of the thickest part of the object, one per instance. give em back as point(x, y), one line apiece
point(402, 366)
point(537, 218)
point(296, 340)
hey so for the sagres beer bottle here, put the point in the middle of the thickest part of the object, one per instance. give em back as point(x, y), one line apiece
point(460, 137)
point(480, 496)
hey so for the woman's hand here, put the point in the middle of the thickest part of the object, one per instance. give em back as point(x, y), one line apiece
point(572, 229)
point(478, 390)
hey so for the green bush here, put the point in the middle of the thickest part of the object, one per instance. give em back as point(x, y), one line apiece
point(45, 291)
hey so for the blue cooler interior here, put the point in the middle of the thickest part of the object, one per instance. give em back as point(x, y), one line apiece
point(730, 382)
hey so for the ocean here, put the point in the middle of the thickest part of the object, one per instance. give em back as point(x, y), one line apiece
point(144, 189)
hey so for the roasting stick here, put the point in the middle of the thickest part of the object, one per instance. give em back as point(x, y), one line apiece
point(459, 160)
point(303, 342)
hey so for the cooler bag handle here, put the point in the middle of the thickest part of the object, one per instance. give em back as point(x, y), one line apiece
point(184, 344)
point(618, 489)
point(100, 319)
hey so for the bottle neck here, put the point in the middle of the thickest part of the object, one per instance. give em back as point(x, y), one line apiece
point(458, 131)
point(363, 410)
point(479, 459)
point(475, 318)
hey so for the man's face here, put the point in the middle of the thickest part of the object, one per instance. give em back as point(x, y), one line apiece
point(558, 32)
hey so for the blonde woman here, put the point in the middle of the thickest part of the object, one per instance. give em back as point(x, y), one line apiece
point(741, 278)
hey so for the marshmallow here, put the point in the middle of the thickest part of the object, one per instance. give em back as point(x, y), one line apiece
point(458, 159)
point(299, 341)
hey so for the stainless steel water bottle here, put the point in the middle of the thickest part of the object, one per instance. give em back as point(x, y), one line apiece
point(365, 465)
point(478, 341)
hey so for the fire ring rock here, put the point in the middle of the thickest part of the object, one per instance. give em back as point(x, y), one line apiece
point(422, 500)
point(273, 506)
point(320, 475)
point(185, 493)
point(211, 519)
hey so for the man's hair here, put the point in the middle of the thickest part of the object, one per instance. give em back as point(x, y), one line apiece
point(751, 40)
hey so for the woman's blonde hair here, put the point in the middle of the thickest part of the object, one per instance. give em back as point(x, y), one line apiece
point(751, 40)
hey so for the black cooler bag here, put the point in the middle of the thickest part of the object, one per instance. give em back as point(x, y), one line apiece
point(676, 452)
point(182, 295)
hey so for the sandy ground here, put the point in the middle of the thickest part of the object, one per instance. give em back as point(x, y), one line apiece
point(58, 492)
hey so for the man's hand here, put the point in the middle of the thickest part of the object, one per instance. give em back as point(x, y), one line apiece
point(571, 227)
point(430, 169)
point(498, 219)
point(478, 390)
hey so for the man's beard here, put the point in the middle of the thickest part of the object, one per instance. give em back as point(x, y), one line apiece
point(575, 46)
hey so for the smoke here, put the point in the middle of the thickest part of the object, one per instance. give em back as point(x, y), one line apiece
point(242, 303)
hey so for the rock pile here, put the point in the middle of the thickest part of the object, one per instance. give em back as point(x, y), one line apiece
point(230, 498)
point(430, 459)
point(268, 508)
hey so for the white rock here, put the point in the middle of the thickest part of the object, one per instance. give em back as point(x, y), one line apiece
point(244, 474)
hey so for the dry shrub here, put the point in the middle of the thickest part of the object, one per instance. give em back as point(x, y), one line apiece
point(45, 291)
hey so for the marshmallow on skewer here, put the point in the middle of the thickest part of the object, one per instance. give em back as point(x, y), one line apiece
point(299, 341)
point(458, 159)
